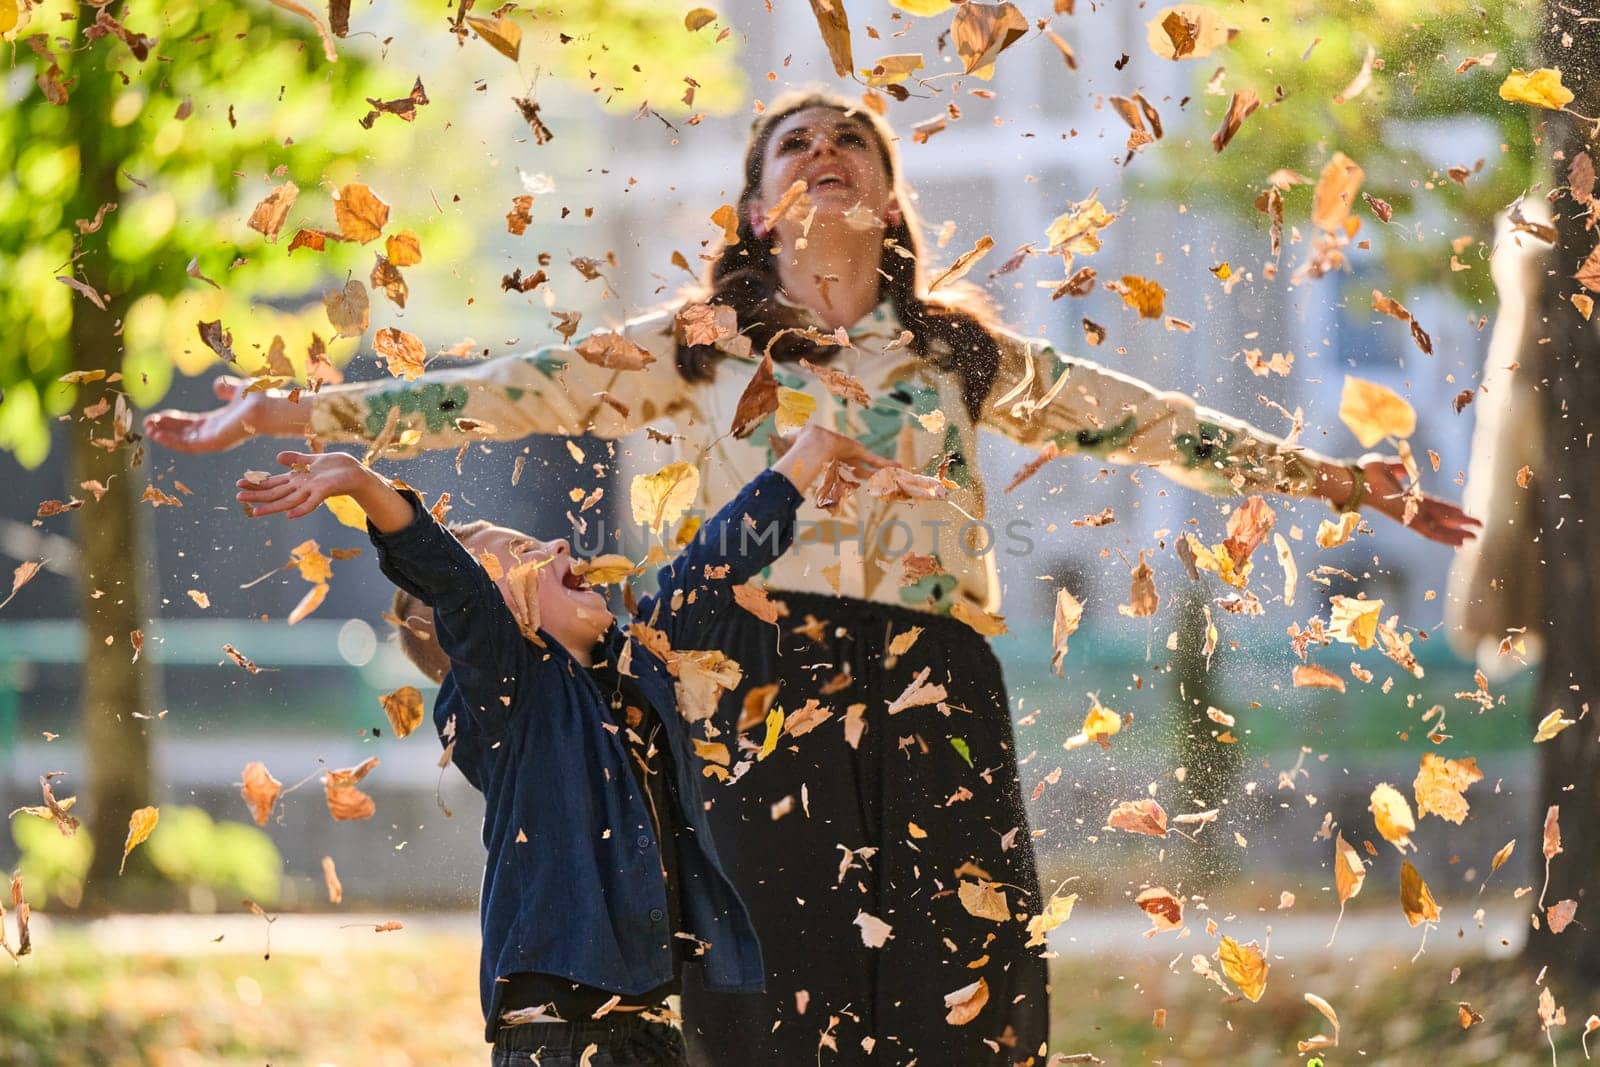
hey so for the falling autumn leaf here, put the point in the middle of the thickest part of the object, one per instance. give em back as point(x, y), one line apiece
point(1440, 784)
point(1551, 725)
point(141, 824)
point(1245, 966)
point(261, 791)
point(21, 576)
point(1312, 676)
point(1142, 294)
point(795, 408)
point(1139, 817)
point(1540, 88)
point(1241, 107)
point(1349, 873)
point(503, 35)
point(661, 499)
point(1164, 909)
point(404, 352)
point(875, 933)
point(982, 31)
point(360, 213)
point(1098, 724)
point(345, 801)
point(834, 23)
point(984, 900)
point(1415, 899)
point(1187, 31)
point(309, 603)
point(981, 622)
point(330, 877)
point(968, 259)
point(1392, 815)
point(1355, 622)
point(966, 1003)
point(1069, 613)
point(614, 352)
point(1373, 411)
point(404, 709)
point(268, 216)
point(386, 277)
point(348, 309)
point(1056, 911)
point(1076, 232)
point(759, 399)
point(1142, 597)
point(918, 693)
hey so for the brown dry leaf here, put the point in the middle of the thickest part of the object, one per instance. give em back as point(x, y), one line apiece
point(834, 23)
point(706, 324)
point(918, 693)
point(1187, 31)
point(1349, 873)
point(1245, 966)
point(268, 216)
point(755, 600)
point(968, 259)
point(981, 621)
point(1311, 676)
point(1392, 814)
point(330, 876)
point(1589, 272)
point(309, 603)
point(1142, 294)
point(1076, 232)
point(520, 215)
point(984, 900)
point(966, 1003)
point(898, 483)
point(404, 709)
point(360, 213)
point(403, 249)
point(1440, 784)
point(1164, 909)
point(503, 35)
point(141, 824)
point(1415, 899)
point(1139, 817)
point(982, 31)
point(1241, 107)
point(240, 659)
point(1069, 613)
point(1334, 196)
point(614, 352)
point(345, 801)
point(217, 339)
point(260, 791)
point(1560, 915)
point(1142, 596)
point(387, 277)
point(844, 386)
point(404, 352)
point(1551, 841)
point(759, 399)
point(21, 576)
point(348, 309)
point(1247, 527)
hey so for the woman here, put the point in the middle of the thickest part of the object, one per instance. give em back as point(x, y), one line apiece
point(906, 816)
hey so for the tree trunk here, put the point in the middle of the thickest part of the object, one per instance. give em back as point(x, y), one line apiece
point(1569, 526)
point(112, 555)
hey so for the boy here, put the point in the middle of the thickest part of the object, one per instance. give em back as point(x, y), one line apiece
point(601, 874)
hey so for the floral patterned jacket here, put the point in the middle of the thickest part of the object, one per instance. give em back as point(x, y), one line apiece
point(923, 554)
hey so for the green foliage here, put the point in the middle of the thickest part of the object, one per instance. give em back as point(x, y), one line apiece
point(234, 99)
point(1416, 99)
point(207, 859)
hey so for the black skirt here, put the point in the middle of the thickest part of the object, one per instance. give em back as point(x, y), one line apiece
point(822, 837)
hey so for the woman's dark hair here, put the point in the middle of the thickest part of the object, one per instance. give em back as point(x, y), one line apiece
point(953, 331)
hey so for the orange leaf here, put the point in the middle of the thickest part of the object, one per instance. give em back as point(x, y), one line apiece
point(403, 707)
point(345, 801)
point(141, 824)
point(261, 791)
point(360, 213)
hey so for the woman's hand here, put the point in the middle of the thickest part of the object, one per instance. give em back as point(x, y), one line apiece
point(814, 447)
point(314, 478)
point(243, 416)
point(1436, 519)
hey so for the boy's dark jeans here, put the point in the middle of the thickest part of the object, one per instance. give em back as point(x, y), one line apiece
point(620, 1040)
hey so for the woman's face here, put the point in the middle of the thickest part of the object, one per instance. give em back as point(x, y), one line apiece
point(837, 157)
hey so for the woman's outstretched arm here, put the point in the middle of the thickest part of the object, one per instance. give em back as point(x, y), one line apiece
point(1041, 398)
point(550, 390)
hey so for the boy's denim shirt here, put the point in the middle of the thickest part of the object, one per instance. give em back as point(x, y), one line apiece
point(572, 884)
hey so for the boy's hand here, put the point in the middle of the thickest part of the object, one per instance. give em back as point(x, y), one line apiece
point(814, 447)
point(311, 480)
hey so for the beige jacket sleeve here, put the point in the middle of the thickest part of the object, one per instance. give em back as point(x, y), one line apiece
point(1042, 398)
point(550, 390)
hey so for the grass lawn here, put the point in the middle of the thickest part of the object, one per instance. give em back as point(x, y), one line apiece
point(355, 997)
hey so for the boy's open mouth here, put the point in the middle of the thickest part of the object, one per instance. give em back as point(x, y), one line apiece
point(574, 581)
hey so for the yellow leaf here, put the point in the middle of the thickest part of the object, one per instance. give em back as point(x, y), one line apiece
point(13, 16)
point(404, 709)
point(1541, 88)
point(1551, 725)
point(660, 499)
point(794, 409)
point(891, 70)
point(260, 791)
point(609, 569)
point(403, 249)
point(726, 217)
point(1503, 855)
point(1057, 911)
point(1245, 966)
point(984, 900)
point(1348, 871)
point(1373, 411)
point(714, 752)
point(503, 35)
point(1076, 232)
point(1355, 622)
point(1187, 31)
point(1143, 295)
point(774, 730)
point(140, 826)
point(903, 641)
point(347, 511)
point(360, 212)
point(1440, 784)
point(1101, 722)
point(1415, 900)
point(1392, 815)
point(981, 621)
point(923, 8)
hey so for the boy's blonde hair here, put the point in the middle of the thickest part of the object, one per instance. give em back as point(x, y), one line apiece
point(415, 629)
